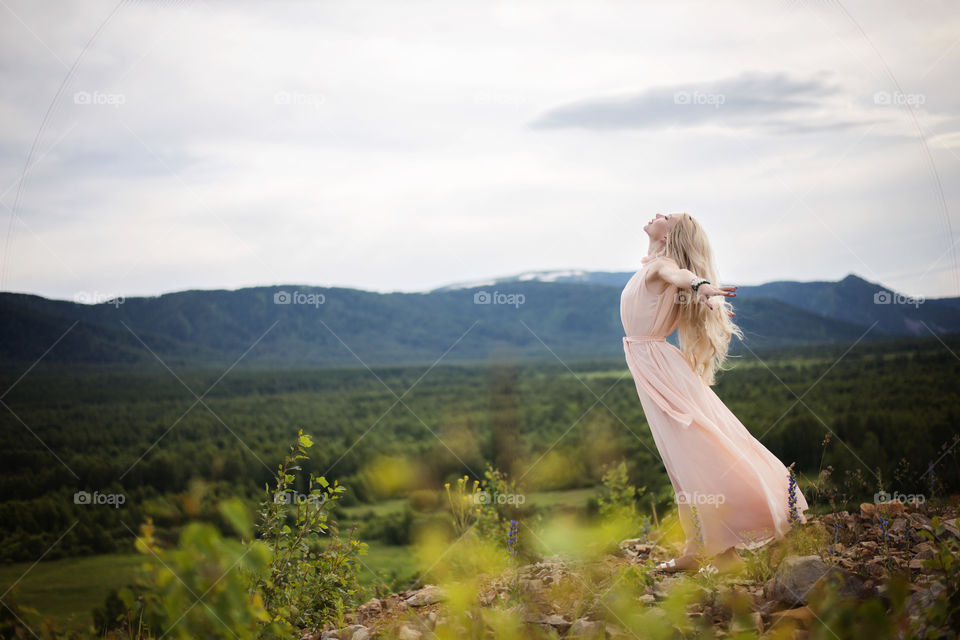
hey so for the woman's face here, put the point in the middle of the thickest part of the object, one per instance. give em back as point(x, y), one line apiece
point(659, 225)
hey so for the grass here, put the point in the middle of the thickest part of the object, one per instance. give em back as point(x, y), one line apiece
point(389, 559)
point(68, 588)
point(379, 509)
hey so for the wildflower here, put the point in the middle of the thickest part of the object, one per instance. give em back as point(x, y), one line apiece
point(708, 570)
point(512, 538)
point(836, 535)
point(885, 528)
point(792, 514)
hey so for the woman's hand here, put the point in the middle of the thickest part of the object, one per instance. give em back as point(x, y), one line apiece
point(707, 291)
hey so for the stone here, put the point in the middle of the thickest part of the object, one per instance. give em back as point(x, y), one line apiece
point(647, 599)
point(371, 606)
point(951, 528)
point(891, 508)
point(797, 575)
point(430, 594)
point(406, 632)
point(353, 632)
point(757, 618)
point(557, 622)
point(803, 616)
point(534, 585)
point(868, 510)
point(584, 628)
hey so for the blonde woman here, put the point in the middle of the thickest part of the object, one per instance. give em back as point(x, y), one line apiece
point(739, 489)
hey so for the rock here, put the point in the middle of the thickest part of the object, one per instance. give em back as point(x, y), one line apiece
point(647, 599)
point(557, 622)
point(353, 632)
point(534, 585)
point(917, 548)
point(583, 628)
point(757, 618)
point(797, 575)
point(661, 589)
point(876, 569)
point(891, 508)
point(330, 635)
point(406, 632)
point(803, 616)
point(430, 594)
point(868, 510)
point(371, 606)
point(951, 528)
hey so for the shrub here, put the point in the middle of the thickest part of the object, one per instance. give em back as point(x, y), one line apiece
point(312, 574)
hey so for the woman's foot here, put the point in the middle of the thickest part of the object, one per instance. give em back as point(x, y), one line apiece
point(683, 563)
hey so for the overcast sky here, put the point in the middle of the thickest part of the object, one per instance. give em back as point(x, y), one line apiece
point(405, 145)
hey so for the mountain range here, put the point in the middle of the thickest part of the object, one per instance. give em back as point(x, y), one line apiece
point(532, 316)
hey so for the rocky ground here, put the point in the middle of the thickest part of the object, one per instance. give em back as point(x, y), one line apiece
point(858, 551)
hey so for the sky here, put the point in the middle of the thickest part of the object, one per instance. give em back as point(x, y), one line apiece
point(149, 147)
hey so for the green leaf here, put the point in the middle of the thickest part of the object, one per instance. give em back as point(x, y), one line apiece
point(323, 481)
point(306, 441)
point(235, 513)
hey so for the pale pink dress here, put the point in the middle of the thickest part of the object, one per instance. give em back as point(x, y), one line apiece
point(739, 487)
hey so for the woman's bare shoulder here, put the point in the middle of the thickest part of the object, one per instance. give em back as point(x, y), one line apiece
point(656, 265)
point(662, 261)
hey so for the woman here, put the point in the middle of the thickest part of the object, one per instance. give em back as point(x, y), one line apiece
point(739, 489)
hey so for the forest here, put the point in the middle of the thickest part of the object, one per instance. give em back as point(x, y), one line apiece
point(148, 434)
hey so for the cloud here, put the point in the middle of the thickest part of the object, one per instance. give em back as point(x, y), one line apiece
point(773, 101)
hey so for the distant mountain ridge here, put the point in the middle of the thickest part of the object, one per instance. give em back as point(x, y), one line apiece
point(565, 314)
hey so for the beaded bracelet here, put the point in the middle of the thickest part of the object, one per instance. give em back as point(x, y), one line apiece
point(697, 285)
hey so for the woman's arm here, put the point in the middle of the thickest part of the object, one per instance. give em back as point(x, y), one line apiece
point(668, 270)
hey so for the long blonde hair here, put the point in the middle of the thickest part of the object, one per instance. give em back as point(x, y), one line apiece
point(704, 334)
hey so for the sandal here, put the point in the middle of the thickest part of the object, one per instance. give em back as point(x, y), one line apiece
point(671, 566)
